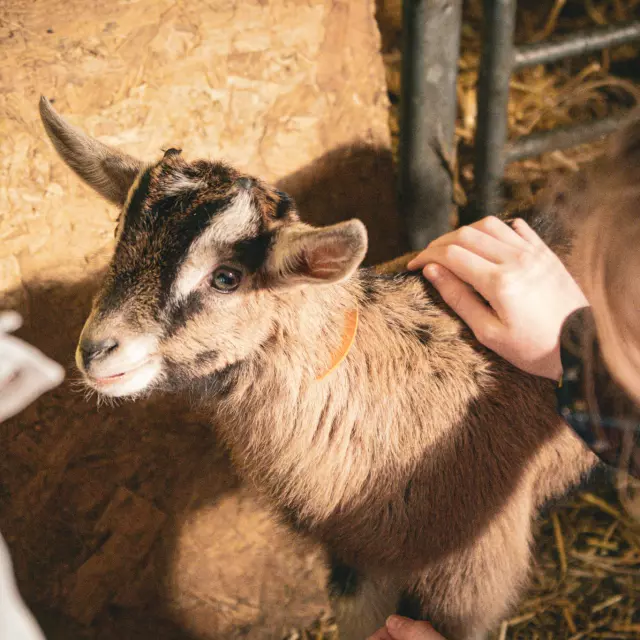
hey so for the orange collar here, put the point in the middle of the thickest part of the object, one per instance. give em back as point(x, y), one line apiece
point(349, 335)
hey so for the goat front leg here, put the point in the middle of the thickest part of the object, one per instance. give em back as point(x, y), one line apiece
point(361, 603)
point(421, 602)
point(466, 595)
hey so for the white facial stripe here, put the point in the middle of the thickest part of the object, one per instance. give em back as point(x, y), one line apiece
point(239, 220)
point(182, 183)
point(191, 274)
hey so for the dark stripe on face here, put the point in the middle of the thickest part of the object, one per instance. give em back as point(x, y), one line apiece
point(184, 311)
point(122, 285)
point(180, 236)
point(222, 383)
point(137, 201)
point(252, 252)
point(159, 228)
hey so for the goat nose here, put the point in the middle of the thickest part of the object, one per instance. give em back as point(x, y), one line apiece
point(91, 349)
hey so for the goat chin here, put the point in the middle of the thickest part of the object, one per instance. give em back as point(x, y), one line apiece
point(128, 384)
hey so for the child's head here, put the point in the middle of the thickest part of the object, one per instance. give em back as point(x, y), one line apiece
point(607, 253)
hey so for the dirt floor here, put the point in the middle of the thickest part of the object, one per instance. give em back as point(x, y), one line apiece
point(127, 522)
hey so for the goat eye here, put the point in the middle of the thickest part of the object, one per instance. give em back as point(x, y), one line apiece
point(226, 279)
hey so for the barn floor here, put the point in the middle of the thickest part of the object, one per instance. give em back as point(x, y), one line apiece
point(127, 521)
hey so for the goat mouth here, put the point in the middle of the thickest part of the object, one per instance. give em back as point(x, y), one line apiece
point(118, 377)
point(127, 382)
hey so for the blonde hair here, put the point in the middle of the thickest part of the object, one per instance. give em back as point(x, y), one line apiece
point(606, 259)
point(607, 255)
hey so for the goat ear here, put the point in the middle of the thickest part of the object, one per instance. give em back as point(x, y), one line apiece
point(110, 172)
point(320, 256)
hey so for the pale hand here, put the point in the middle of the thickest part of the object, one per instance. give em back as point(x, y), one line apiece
point(400, 628)
point(25, 373)
point(529, 290)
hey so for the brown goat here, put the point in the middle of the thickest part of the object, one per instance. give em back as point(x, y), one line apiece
point(417, 457)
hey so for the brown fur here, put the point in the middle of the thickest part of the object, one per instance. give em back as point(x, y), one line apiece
point(420, 462)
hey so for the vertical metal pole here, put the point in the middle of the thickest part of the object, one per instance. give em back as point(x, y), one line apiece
point(496, 65)
point(431, 45)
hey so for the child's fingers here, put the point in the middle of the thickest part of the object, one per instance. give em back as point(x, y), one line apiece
point(462, 299)
point(526, 232)
point(478, 242)
point(25, 374)
point(20, 390)
point(419, 261)
point(490, 226)
point(17, 354)
point(10, 321)
point(467, 266)
point(499, 230)
point(406, 629)
point(380, 634)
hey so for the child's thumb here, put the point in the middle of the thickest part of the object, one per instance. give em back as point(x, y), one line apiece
point(406, 629)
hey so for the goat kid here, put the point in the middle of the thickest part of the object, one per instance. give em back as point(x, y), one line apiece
point(357, 403)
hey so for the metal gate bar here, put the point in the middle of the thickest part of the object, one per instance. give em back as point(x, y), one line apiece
point(431, 47)
point(431, 42)
point(559, 138)
point(496, 64)
point(577, 44)
point(499, 58)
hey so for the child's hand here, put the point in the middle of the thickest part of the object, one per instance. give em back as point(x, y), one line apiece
point(399, 628)
point(530, 292)
point(25, 373)
point(16, 621)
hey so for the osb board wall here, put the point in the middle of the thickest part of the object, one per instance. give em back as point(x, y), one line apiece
point(127, 522)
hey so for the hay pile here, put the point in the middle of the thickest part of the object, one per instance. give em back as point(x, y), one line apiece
point(542, 97)
point(586, 580)
point(586, 577)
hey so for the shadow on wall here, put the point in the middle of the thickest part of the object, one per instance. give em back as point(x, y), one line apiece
point(92, 500)
point(352, 182)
